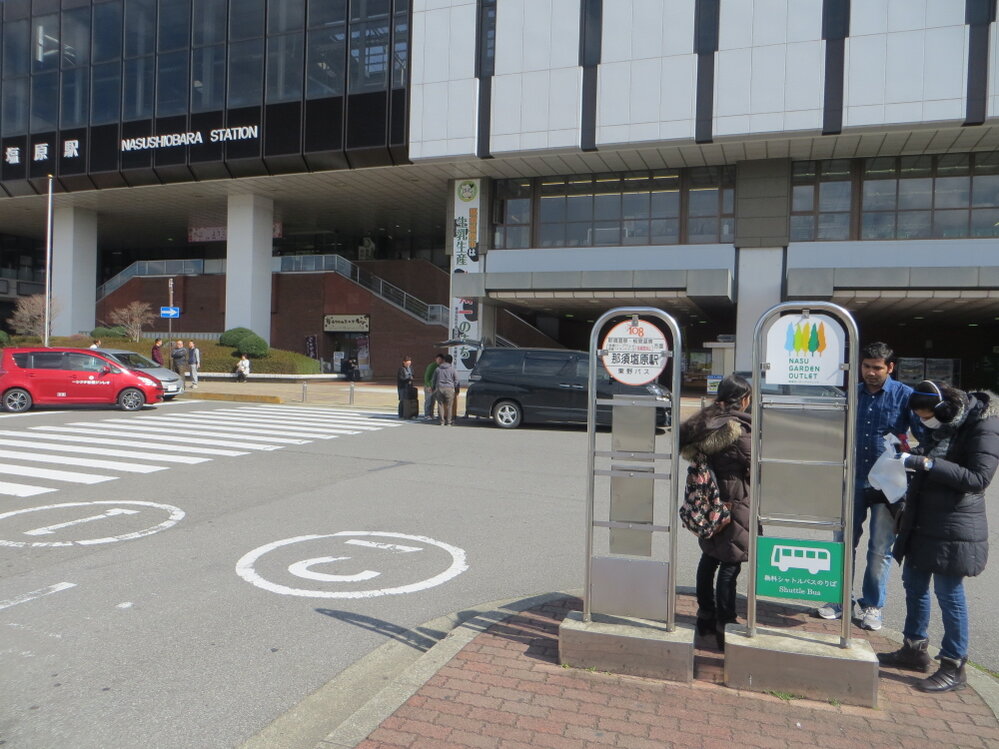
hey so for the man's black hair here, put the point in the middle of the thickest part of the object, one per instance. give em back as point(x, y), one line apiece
point(878, 350)
point(448, 358)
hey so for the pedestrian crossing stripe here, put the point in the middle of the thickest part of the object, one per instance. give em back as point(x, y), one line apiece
point(143, 443)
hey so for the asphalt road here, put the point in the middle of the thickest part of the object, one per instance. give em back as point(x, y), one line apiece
point(193, 604)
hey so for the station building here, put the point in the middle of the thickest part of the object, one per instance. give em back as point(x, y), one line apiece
point(377, 176)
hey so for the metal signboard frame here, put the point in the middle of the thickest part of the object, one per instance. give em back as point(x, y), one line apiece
point(841, 465)
point(629, 583)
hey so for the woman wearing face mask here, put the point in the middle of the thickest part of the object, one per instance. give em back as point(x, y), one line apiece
point(942, 531)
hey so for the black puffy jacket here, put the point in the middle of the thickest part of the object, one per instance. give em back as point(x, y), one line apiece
point(943, 528)
point(725, 439)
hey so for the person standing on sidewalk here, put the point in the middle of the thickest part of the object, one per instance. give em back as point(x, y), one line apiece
point(429, 396)
point(157, 351)
point(193, 363)
point(445, 382)
point(404, 384)
point(943, 532)
point(881, 408)
point(721, 432)
point(179, 358)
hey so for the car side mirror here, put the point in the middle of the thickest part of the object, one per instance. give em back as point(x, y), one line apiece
point(105, 370)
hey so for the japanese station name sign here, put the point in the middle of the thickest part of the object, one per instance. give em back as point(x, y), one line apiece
point(805, 350)
point(634, 352)
point(346, 323)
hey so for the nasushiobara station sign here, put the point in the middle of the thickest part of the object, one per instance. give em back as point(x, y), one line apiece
point(190, 138)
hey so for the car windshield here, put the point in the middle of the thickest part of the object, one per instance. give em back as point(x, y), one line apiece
point(135, 361)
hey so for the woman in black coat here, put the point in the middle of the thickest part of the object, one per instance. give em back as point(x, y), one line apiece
point(721, 433)
point(943, 531)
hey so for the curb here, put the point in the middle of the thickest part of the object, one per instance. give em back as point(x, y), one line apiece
point(379, 705)
point(239, 397)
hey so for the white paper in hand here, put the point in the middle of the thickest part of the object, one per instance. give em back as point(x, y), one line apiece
point(888, 472)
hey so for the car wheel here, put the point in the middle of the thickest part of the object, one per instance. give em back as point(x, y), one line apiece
point(131, 399)
point(16, 400)
point(507, 415)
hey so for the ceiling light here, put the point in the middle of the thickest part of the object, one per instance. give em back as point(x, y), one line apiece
point(972, 325)
point(918, 317)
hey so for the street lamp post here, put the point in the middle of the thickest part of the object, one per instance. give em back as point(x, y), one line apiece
point(47, 322)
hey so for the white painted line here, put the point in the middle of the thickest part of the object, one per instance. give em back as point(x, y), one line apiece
point(71, 477)
point(50, 529)
point(92, 439)
point(153, 435)
point(90, 450)
point(25, 597)
point(156, 425)
point(255, 426)
point(175, 515)
point(301, 569)
point(269, 422)
point(388, 420)
point(22, 490)
point(114, 465)
point(245, 567)
point(389, 547)
point(322, 410)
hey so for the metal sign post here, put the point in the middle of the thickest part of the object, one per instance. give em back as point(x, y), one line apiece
point(802, 479)
point(628, 622)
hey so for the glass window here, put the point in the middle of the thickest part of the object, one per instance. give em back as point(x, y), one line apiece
point(15, 106)
point(833, 226)
point(665, 231)
point(803, 198)
point(246, 62)
point(802, 228)
point(106, 93)
point(44, 101)
point(914, 224)
point(517, 237)
point(285, 15)
point(327, 62)
point(284, 67)
point(835, 196)
point(140, 27)
point(75, 100)
point(248, 21)
point(107, 31)
point(16, 56)
point(83, 363)
point(45, 47)
point(915, 193)
point(46, 360)
point(325, 12)
point(951, 192)
point(948, 224)
point(208, 79)
point(209, 22)
point(138, 75)
point(369, 55)
point(878, 226)
point(76, 37)
point(552, 235)
point(985, 223)
point(400, 50)
point(635, 205)
point(547, 365)
point(174, 25)
point(171, 84)
point(985, 191)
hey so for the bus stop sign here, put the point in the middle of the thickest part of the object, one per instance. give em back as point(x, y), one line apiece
point(634, 352)
point(797, 569)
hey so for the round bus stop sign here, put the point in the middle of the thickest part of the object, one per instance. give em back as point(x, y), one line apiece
point(634, 352)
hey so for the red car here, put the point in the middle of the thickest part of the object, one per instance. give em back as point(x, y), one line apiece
point(49, 376)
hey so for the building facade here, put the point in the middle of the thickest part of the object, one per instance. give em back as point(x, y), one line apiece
point(557, 157)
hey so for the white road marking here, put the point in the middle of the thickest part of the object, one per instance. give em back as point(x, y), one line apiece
point(376, 545)
point(25, 597)
point(175, 515)
point(162, 426)
point(22, 490)
point(92, 438)
point(49, 529)
point(48, 473)
point(90, 450)
point(250, 426)
point(245, 567)
point(301, 427)
point(114, 465)
point(345, 419)
point(301, 569)
point(152, 434)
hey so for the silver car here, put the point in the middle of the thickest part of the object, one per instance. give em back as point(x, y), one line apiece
point(173, 383)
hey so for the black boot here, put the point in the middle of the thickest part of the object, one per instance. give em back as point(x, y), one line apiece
point(705, 623)
point(720, 635)
point(949, 676)
point(912, 656)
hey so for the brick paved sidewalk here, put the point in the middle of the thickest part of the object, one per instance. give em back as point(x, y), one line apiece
point(505, 690)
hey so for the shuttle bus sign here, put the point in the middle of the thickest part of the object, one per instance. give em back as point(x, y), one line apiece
point(798, 569)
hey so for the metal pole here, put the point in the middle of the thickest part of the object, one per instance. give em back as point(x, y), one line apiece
point(305, 390)
point(170, 304)
point(351, 401)
point(48, 270)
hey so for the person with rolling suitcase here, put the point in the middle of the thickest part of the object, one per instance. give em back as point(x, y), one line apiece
point(407, 393)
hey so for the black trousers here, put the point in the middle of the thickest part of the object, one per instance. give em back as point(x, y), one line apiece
point(717, 599)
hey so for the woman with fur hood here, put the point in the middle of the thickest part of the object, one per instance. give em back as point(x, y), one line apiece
point(943, 532)
point(721, 432)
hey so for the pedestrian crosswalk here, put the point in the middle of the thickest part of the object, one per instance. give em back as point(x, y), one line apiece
point(96, 450)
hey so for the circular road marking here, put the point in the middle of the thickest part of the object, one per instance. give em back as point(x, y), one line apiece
point(175, 514)
point(245, 568)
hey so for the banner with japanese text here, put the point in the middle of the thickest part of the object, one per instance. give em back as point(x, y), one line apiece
point(464, 317)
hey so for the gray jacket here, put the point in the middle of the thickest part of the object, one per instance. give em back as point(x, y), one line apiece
point(446, 376)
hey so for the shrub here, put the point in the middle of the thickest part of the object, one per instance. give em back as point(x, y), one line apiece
point(232, 336)
point(103, 332)
point(4, 339)
point(252, 345)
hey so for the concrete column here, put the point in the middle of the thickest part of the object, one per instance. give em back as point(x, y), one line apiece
point(74, 270)
point(760, 275)
point(249, 244)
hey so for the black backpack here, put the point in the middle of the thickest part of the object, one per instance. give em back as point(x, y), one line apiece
point(702, 511)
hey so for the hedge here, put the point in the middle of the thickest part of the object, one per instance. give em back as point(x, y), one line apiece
point(232, 336)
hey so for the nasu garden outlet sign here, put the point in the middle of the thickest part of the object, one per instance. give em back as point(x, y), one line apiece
point(805, 350)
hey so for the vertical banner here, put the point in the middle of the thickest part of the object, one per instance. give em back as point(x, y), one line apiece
point(465, 259)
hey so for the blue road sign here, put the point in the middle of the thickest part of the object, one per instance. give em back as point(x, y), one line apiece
point(169, 311)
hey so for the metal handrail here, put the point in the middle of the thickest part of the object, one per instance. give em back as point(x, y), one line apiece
point(434, 314)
